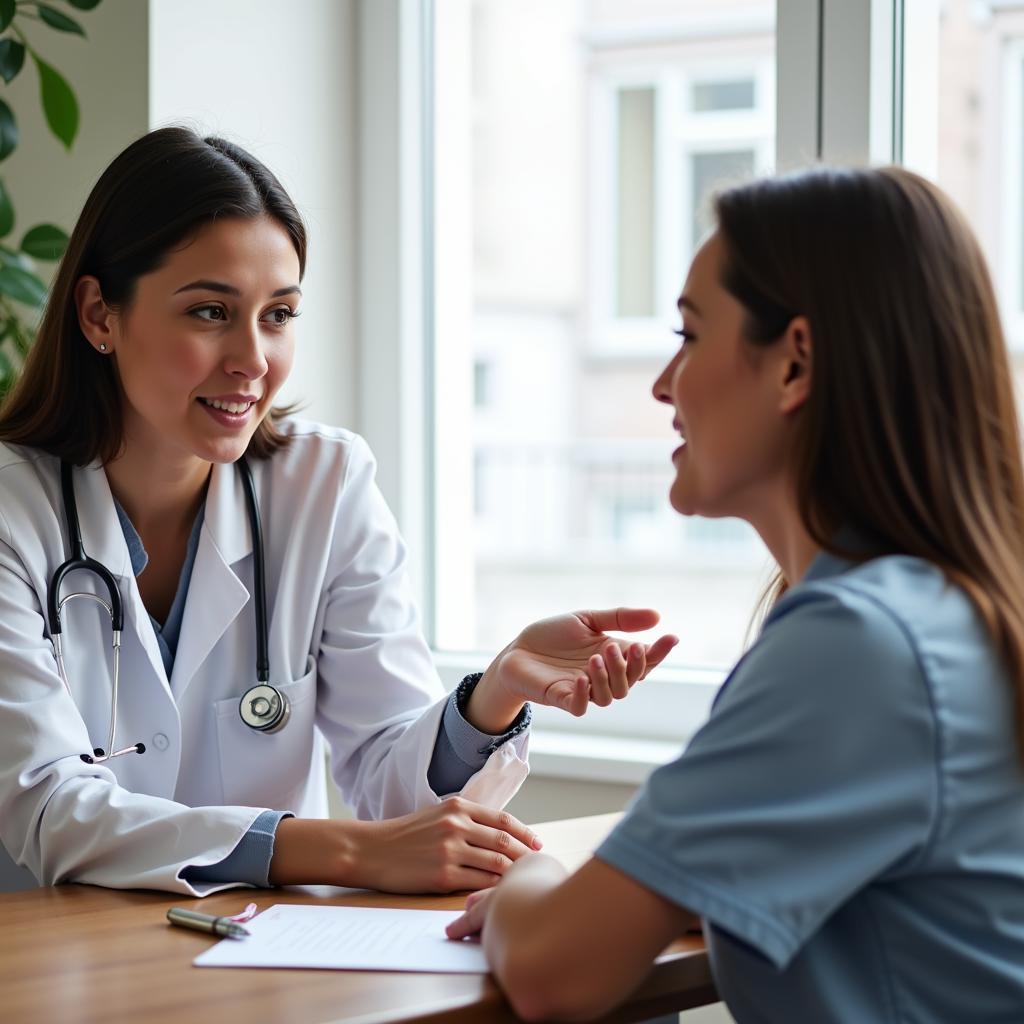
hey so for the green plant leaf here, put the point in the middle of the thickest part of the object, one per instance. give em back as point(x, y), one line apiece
point(59, 20)
point(8, 131)
point(12, 56)
point(6, 211)
point(6, 13)
point(85, 5)
point(45, 242)
point(59, 103)
point(9, 255)
point(22, 286)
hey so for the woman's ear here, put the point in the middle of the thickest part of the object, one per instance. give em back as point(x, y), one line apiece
point(95, 318)
point(797, 349)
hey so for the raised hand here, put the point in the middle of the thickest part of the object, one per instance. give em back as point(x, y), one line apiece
point(569, 662)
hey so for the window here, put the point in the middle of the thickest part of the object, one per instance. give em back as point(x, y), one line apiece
point(963, 126)
point(550, 139)
point(666, 129)
point(585, 156)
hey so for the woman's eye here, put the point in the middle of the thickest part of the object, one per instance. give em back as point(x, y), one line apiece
point(214, 314)
point(280, 316)
point(686, 335)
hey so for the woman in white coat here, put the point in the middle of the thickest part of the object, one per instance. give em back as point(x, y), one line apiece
point(167, 336)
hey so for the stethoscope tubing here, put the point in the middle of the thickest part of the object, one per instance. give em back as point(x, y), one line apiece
point(258, 574)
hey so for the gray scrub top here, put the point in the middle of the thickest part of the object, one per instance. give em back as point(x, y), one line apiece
point(849, 822)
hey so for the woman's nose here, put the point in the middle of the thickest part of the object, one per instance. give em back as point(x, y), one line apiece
point(661, 389)
point(246, 358)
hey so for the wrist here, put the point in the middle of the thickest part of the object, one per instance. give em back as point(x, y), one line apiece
point(490, 708)
point(309, 851)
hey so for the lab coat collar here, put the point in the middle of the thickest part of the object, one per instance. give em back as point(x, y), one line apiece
point(227, 516)
point(103, 539)
point(216, 595)
point(102, 536)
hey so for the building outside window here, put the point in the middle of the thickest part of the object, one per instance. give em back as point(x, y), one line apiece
point(579, 175)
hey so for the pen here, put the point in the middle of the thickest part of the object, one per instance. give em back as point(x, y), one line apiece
point(207, 923)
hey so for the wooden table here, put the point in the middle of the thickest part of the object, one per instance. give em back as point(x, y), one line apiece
point(82, 953)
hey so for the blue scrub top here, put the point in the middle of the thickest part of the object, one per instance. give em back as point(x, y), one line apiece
point(850, 820)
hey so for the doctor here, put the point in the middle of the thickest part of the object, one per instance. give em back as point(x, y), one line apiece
point(144, 411)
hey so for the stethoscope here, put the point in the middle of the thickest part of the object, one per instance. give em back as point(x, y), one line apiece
point(262, 707)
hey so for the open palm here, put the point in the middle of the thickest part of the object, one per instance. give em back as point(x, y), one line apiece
point(569, 661)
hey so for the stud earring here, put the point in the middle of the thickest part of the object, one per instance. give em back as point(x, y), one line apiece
point(103, 348)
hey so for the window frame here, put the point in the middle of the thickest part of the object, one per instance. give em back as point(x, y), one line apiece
point(680, 132)
point(1010, 245)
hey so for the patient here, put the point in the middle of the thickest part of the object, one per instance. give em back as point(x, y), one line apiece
point(849, 824)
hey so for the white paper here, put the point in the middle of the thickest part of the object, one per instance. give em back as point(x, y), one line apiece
point(348, 938)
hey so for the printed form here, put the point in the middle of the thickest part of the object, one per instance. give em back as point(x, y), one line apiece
point(349, 938)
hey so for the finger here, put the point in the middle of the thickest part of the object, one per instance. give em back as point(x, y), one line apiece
point(470, 923)
point(600, 687)
point(461, 879)
point(499, 844)
point(616, 669)
point(570, 695)
point(475, 897)
point(500, 821)
point(579, 697)
point(658, 651)
point(636, 663)
point(625, 620)
point(492, 861)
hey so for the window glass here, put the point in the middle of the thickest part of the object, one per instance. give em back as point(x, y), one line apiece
point(635, 193)
point(710, 171)
point(734, 95)
point(576, 146)
point(963, 126)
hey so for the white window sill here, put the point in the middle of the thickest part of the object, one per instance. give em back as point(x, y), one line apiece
point(595, 758)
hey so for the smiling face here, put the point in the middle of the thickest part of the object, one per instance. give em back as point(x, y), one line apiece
point(206, 341)
point(732, 400)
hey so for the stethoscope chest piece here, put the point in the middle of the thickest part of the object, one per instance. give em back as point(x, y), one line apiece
point(264, 708)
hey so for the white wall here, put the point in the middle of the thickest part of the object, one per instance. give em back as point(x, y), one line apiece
point(280, 80)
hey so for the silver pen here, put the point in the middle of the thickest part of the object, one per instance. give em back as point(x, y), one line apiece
point(207, 923)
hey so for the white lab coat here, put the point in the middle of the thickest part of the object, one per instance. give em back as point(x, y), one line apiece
point(344, 645)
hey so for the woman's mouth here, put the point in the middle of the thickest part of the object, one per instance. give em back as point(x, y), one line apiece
point(228, 413)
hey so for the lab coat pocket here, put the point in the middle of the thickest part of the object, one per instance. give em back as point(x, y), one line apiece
point(268, 769)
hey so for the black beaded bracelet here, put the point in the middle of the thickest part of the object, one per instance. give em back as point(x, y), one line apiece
point(522, 721)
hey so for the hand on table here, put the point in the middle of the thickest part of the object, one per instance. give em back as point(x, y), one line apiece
point(454, 845)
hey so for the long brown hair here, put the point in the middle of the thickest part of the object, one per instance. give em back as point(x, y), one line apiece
point(156, 194)
point(909, 435)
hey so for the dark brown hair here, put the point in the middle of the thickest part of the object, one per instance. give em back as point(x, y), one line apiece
point(155, 195)
point(909, 435)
